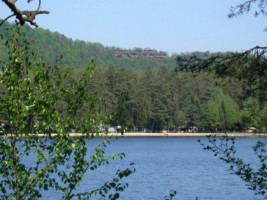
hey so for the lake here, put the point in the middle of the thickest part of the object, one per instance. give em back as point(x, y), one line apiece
point(164, 164)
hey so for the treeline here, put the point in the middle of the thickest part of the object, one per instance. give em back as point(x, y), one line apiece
point(162, 99)
point(153, 93)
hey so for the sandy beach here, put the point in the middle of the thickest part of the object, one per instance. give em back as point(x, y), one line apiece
point(141, 134)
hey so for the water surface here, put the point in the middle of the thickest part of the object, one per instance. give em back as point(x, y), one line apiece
point(164, 164)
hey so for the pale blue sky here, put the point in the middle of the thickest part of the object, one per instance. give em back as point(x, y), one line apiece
point(173, 26)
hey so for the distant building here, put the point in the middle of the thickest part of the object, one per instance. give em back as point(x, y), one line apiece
point(147, 53)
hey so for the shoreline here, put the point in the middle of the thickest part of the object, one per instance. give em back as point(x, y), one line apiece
point(167, 134)
point(141, 134)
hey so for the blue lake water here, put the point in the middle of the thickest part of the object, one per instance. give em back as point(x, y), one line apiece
point(164, 164)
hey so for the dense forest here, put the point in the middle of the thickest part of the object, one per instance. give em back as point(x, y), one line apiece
point(143, 90)
point(162, 99)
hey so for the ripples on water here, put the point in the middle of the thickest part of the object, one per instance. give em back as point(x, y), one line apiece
point(164, 164)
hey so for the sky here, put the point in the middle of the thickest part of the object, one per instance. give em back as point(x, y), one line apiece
point(173, 26)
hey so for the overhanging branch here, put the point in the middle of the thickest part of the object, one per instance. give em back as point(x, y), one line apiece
point(23, 16)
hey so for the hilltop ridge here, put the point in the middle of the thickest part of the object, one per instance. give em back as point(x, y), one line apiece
point(77, 53)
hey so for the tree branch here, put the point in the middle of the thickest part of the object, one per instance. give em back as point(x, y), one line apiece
point(247, 6)
point(6, 19)
point(260, 7)
point(23, 16)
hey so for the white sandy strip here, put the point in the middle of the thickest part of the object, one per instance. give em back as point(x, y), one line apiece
point(140, 134)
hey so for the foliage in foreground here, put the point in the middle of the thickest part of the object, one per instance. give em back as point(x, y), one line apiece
point(250, 68)
point(255, 176)
point(31, 95)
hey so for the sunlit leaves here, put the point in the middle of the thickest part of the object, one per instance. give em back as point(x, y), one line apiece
point(31, 93)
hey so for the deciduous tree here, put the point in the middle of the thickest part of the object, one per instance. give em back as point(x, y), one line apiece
point(33, 129)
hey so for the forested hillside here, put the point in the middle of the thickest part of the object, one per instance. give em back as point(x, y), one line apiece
point(75, 53)
point(147, 89)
